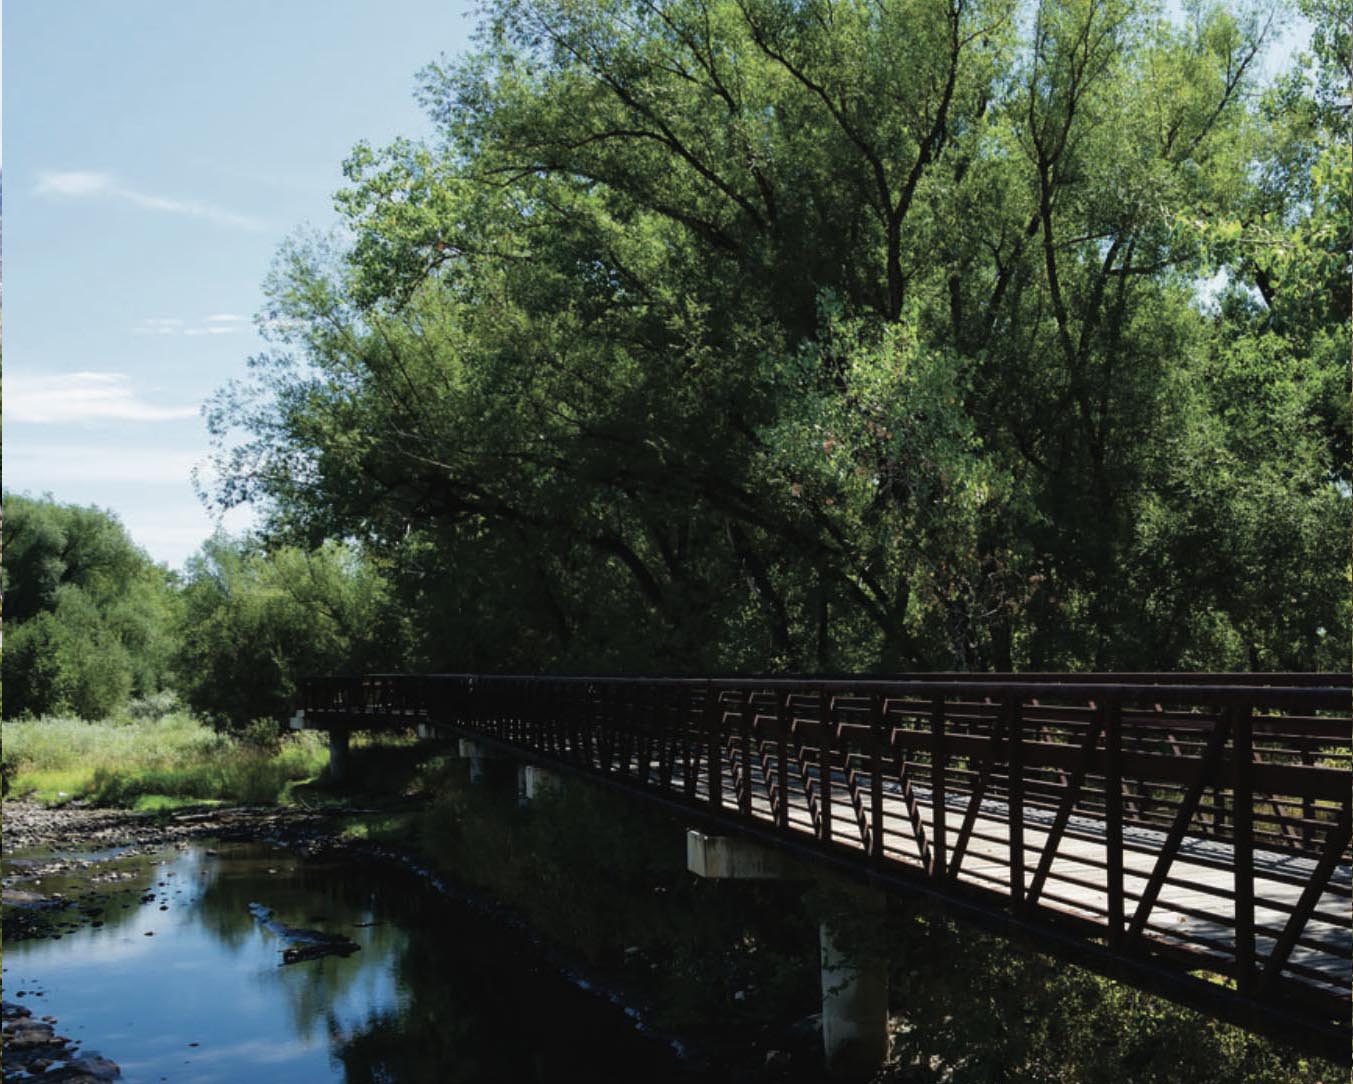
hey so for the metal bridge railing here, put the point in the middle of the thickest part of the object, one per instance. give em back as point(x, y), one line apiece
point(1158, 825)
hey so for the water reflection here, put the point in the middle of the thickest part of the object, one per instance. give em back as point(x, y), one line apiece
point(434, 994)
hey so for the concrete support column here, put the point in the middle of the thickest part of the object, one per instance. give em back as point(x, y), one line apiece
point(533, 781)
point(854, 995)
point(338, 755)
point(854, 981)
point(474, 752)
point(732, 858)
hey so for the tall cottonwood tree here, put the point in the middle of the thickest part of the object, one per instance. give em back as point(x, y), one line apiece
point(749, 333)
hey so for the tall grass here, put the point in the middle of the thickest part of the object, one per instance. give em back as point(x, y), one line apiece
point(117, 762)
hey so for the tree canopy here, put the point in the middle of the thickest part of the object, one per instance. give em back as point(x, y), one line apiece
point(255, 623)
point(834, 335)
point(88, 615)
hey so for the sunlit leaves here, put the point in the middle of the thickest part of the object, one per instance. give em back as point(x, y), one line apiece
point(765, 333)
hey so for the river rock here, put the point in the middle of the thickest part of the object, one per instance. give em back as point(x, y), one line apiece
point(95, 1066)
point(24, 1034)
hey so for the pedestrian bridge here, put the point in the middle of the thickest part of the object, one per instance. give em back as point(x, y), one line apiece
point(1188, 834)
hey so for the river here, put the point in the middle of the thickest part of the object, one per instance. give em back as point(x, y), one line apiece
point(177, 981)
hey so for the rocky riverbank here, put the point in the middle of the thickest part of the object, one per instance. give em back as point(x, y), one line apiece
point(92, 848)
point(34, 1050)
point(28, 826)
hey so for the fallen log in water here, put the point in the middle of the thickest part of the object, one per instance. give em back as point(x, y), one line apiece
point(304, 944)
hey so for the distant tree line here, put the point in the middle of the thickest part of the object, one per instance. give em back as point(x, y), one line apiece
point(88, 617)
point(93, 626)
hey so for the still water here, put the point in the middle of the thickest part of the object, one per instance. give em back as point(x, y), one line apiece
point(435, 993)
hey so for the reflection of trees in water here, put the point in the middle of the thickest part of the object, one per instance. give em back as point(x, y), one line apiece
point(330, 897)
point(298, 892)
point(479, 1008)
point(464, 1020)
point(394, 1047)
point(435, 994)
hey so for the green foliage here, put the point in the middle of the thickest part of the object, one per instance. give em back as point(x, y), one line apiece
point(254, 623)
point(88, 616)
point(993, 1011)
point(748, 334)
point(244, 774)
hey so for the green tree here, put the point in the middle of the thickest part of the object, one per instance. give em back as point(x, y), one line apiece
point(255, 623)
point(89, 616)
point(742, 333)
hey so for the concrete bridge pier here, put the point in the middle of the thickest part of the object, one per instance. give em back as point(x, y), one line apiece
point(339, 757)
point(476, 754)
point(854, 992)
point(533, 781)
point(854, 980)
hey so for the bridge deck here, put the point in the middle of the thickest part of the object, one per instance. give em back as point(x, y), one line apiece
point(1182, 830)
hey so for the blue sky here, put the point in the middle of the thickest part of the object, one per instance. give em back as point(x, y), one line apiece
point(156, 153)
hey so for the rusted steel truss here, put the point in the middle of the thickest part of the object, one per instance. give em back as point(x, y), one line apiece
point(1189, 834)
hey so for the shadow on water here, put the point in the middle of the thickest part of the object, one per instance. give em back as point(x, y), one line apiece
point(186, 985)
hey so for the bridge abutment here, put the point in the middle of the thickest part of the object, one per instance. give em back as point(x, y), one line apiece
point(729, 858)
point(854, 976)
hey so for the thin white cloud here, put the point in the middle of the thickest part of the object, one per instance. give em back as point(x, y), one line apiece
point(73, 183)
point(226, 318)
point(221, 324)
point(80, 397)
point(282, 327)
point(173, 534)
point(159, 325)
point(87, 184)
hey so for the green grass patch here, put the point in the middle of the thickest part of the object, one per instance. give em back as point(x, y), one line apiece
point(382, 828)
point(51, 786)
point(132, 762)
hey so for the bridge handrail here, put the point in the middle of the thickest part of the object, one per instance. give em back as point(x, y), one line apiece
point(1218, 773)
